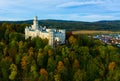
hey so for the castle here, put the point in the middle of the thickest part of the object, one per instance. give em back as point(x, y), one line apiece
point(53, 35)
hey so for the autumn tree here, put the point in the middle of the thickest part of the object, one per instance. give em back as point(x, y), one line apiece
point(72, 40)
point(24, 62)
point(43, 75)
point(31, 51)
point(76, 65)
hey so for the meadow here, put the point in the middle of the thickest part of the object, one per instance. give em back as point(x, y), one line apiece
point(93, 32)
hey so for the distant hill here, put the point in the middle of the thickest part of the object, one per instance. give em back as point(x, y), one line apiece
point(74, 25)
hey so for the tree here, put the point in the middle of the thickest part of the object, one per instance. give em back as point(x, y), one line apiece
point(72, 40)
point(105, 61)
point(62, 72)
point(112, 65)
point(38, 43)
point(84, 56)
point(5, 51)
point(72, 56)
point(47, 47)
point(76, 65)
point(13, 69)
point(24, 62)
point(60, 66)
point(33, 72)
point(42, 59)
point(51, 65)
point(12, 52)
point(50, 52)
point(57, 77)
point(21, 45)
point(43, 75)
point(18, 58)
point(65, 52)
point(30, 51)
point(6, 35)
point(4, 67)
point(80, 75)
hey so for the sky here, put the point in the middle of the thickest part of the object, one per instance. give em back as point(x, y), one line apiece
point(76, 10)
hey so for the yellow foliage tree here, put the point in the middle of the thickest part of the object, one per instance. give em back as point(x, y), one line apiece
point(24, 62)
point(112, 65)
point(43, 75)
point(60, 66)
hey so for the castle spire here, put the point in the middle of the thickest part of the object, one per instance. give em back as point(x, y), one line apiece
point(35, 23)
point(35, 18)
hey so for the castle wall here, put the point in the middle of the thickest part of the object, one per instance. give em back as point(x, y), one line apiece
point(51, 34)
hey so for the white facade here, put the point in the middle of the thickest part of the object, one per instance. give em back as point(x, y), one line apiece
point(52, 35)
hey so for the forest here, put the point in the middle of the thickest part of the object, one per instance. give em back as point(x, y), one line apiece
point(113, 25)
point(81, 58)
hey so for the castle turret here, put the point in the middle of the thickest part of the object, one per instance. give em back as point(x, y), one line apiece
point(35, 23)
point(26, 32)
point(63, 37)
point(51, 38)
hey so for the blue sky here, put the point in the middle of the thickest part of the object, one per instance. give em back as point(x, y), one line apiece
point(77, 10)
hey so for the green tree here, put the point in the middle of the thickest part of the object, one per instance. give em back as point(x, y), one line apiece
point(13, 69)
point(4, 67)
point(80, 75)
point(42, 59)
point(51, 65)
point(65, 52)
point(6, 35)
point(33, 72)
point(106, 62)
point(38, 43)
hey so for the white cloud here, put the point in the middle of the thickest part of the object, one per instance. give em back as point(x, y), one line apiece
point(8, 3)
point(73, 3)
point(112, 5)
point(25, 3)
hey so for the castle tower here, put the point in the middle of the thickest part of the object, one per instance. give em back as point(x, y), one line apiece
point(26, 33)
point(35, 23)
point(51, 39)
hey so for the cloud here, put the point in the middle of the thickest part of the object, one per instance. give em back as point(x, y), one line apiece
point(112, 5)
point(8, 3)
point(78, 17)
point(73, 3)
point(95, 17)
point(87, 10)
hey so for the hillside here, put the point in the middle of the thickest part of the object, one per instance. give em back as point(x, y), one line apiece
point(74, 25)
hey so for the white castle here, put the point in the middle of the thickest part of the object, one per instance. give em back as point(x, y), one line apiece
point(53, 35)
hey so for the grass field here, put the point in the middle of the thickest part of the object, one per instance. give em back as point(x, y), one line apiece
point(93, 32)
